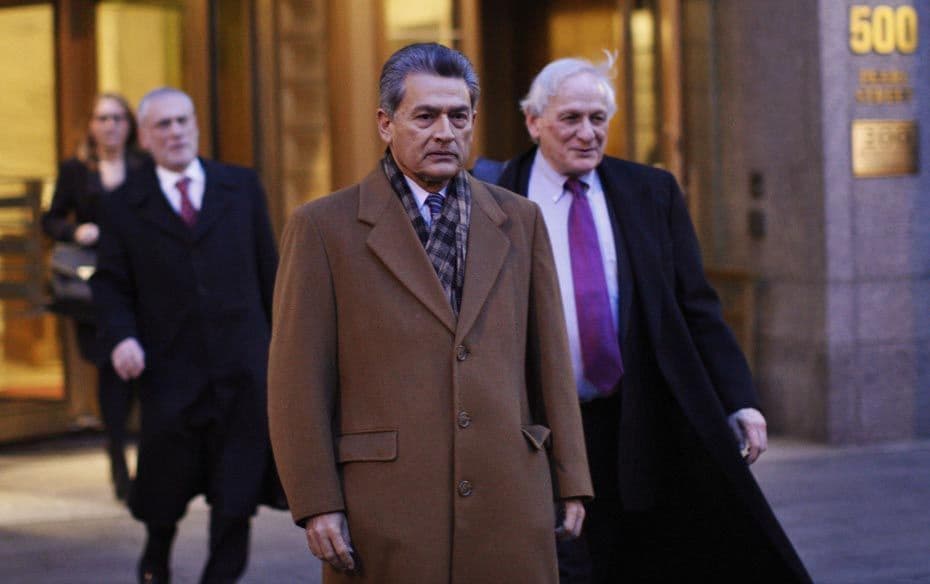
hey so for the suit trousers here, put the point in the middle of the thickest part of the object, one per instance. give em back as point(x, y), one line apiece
point(229, 549)
point(115, 397)
point(593, 556)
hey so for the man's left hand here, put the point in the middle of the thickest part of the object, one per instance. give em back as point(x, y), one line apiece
point(574, 519)
point(749, 426)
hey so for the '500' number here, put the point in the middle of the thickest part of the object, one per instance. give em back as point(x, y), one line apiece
point(882, 29)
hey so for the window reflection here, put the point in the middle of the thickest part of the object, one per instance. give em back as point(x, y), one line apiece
point(420, 21)
point(138, 46)
point(30, 357)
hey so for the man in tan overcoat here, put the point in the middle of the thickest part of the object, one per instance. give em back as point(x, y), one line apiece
point(422, 406)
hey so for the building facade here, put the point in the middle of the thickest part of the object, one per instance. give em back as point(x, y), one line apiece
point(795, 128)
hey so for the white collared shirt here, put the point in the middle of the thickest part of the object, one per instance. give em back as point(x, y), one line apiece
point(419, 195)
point(547, 189)
point(168, 179)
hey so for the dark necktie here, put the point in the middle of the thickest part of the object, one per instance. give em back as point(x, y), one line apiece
point(600, 347)
point(434, 202)
point(188, 213)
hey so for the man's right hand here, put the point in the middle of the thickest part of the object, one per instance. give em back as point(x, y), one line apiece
point(128, 359)
point(86, 234)
point(328, 538)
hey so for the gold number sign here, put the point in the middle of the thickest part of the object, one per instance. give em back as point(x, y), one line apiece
point(882, 29)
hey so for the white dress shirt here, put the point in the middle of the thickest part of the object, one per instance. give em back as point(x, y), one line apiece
point(168, 180)
point(547, 189)
point(419, 195)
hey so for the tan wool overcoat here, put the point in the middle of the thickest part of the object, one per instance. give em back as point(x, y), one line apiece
point(444, 440)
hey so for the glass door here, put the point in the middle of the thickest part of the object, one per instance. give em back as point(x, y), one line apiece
point(138, 46)
point(50, 73)
point(32, 389)
point(421, 21)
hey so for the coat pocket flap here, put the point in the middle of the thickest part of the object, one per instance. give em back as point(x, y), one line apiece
point(537, 435)
point(367, 446)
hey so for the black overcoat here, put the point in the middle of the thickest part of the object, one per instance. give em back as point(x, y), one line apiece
point(199, 302)
point(684, 371)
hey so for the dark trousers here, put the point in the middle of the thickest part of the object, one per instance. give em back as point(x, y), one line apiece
point(229, 550)
point(115, 397)
point(593, 557)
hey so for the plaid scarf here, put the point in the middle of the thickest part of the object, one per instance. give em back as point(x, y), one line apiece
point(447, 240)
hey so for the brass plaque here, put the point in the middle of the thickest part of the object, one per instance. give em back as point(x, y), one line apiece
point(884, 148)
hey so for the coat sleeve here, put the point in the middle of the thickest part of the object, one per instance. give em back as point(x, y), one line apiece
point(113, 284)
point(549, 373)
point(57, 222)
point(303, 372)
point(723, 359)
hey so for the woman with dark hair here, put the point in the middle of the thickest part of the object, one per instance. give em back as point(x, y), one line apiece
point(104, 158)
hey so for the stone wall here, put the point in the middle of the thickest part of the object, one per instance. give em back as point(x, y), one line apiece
point(844, 263)
point(877, 230)
point(769, 77)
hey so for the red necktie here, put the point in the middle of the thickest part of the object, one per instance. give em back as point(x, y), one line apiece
point(188, 212)
point(600, 347)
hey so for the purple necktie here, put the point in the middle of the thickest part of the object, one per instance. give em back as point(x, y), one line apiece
point(600, 347)
point(188, 213)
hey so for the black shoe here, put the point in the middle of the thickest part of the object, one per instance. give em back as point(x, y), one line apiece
point(156, 557)
point(149, 575)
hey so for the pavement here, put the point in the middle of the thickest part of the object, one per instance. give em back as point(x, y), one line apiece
point(857, 515)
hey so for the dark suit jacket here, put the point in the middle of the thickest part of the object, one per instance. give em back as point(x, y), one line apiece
point(77, 194)
point(198, 301)
point(684, 372)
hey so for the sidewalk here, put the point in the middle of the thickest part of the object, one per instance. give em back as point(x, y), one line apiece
point(856, 515)
point(59, 524)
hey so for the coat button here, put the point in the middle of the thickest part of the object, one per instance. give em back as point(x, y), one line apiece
point(465, 489)
point(464, 419)
point(461, 352)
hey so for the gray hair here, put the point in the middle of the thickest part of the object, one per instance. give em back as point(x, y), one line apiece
point(154, 94)
point(429, 58)
point(553, 75)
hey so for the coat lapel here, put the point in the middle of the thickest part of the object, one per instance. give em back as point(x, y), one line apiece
point(215, 198)
point(145, 193)
point(393, 240)
point(627, 230)
point(487, 249)
point(628, 233)
point(641, 251)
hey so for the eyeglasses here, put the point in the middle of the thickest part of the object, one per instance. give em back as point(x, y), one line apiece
point(105, 117)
